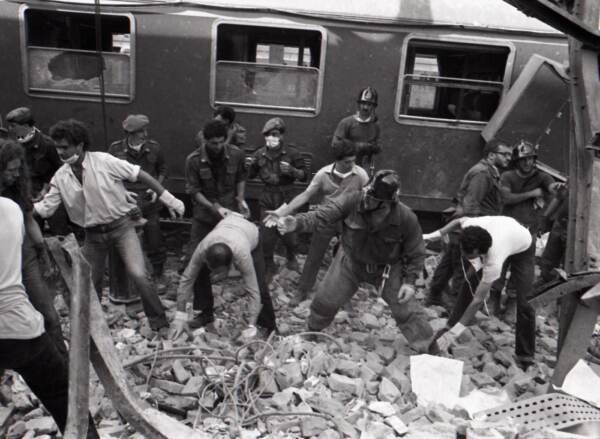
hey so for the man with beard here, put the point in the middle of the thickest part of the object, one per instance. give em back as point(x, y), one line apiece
point(278, 166)
point(381, 245)
point(524, 190)
point(216, 181)
point(42, 161)
point(361, 129)
point(479, 194)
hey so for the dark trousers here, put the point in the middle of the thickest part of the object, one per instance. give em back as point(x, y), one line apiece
point(125, 241)
point(319, 243)
point(341, 283)
point(152, 239)
point(203, 296)
point(448, 268)
point(40, 295)
point(270, 238)
point(522, 266)
point(46, 372)
point(554, 252)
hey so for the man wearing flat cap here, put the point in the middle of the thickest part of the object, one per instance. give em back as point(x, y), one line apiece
point(41, 158)
point(137, 148)
point(278, 165)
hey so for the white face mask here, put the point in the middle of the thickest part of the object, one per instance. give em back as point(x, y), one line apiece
point(136, 148)
point(27, 137)
point(71, 159)
point(272, 141)
point(476, 263)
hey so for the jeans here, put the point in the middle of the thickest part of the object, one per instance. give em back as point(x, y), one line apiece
point(153, 240)
point(203, 296)
point(319, 243)
point(522, 266)
point(46, 372)
point(40, 295)
point(341, 282)
point(124, 239)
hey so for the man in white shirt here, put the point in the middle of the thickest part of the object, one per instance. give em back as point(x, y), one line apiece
point(90, 186)
point(488, 242)
point(24, 346)
point(234, 240)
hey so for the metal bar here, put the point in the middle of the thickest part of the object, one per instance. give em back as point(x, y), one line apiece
point(572, 285)
point(79, 351)
point(146, 420)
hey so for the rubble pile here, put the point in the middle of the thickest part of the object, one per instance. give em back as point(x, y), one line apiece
point(351, 381)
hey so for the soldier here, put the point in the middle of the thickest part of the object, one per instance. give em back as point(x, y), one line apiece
point(234, 240)
point(138, 149)
point(24, 345)
point(329, 181)
point(90, 185)
point(236, 134)
point(381, 244)
point(278, 165)
point(524, 190)
point(216, 182)
point(479, 194)
point(486, 243)
point(361, 129)
point(42, 161)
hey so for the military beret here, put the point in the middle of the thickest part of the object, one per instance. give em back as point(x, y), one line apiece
point(274, 124)
point(21, 116)
point(135, 122)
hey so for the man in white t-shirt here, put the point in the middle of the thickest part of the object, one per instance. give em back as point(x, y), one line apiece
point(24, 345)
point(487, 242)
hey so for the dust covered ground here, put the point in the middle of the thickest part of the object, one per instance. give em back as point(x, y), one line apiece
point(353, 381)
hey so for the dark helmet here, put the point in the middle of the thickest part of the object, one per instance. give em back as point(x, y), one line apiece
point(218, 255)
point(368, 95)
point(384, 185)
point(524, 149)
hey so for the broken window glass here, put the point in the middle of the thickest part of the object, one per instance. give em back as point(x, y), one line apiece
point(62, 55)
point(267, 67)
point(452, 81)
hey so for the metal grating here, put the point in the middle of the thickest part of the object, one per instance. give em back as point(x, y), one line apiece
point(553, 410)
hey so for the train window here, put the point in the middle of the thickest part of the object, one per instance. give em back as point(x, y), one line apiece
point(62, 57)
point(452, 81)
point(268, 67)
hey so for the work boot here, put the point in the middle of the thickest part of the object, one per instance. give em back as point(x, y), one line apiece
point(201, 320)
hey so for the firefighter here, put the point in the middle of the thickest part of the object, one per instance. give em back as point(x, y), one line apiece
point(479, 194)
point(381, 244)
point(278, 165)
point(362, 129)
point(524, 190)
point(216, 182)
point(137, 148)
point(487, 243)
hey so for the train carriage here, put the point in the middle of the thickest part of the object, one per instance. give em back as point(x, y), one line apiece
point(441, 67)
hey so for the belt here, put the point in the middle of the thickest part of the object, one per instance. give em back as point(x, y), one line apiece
point(108, 227)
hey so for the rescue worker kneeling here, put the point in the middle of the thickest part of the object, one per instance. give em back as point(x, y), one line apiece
point(234, 240)
point(381, 244)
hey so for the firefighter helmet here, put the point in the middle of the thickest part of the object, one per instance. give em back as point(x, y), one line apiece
point(384, 185)
point(524, 149)
point(368, 95)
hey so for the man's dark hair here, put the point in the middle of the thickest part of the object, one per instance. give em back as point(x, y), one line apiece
point(493, 145)
point(218, 255)
point(74, 131)
point(20, 191)
point(343, 150)
point(475, 238)
point(225, 112)
point(214, 128)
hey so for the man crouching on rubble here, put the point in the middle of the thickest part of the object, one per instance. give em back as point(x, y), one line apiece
point(488, 242)
point(381, 240)
point(24, 345)
point(233, 240)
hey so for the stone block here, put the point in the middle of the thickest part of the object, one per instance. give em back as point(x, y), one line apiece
point(329, 434)
point(383, 408)
point(387, 353)
point(168, 386)
point(41, 426)
point(16, 430)
point(180, 373)
point(193, 386)
point(493, 370)
point(342, 383)
point(396, 423)
point(377, 430)
point(388, 391)
point(370, 321)
point(348, 368)
point(289, 374)
point(481, 379)
point(312, 426)
point(504, 358)
point(374, 362)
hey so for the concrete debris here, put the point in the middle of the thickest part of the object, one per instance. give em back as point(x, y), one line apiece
point(360, 386)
